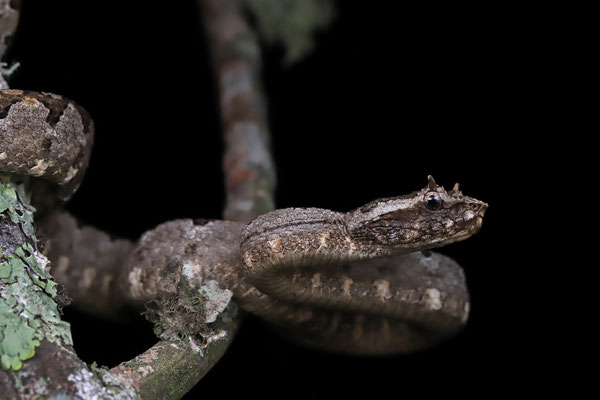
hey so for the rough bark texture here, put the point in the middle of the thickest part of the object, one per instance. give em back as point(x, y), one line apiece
point(35, 344)
point(175, 366)
point(249, 168)
point(57, 371)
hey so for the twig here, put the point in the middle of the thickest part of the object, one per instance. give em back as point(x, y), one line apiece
point(249, 169)
point(9, 17)
point(169, 369)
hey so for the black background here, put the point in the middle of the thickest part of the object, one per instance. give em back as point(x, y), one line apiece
point(388, 96)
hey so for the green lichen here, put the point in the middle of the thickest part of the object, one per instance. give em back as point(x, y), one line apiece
point(35, 268)
point(98, 383)
point(41, 385)
point(7, 70)
point(189, 314)
point(8, 198)
point(215, 300)
point(291, 23)
point(113, 387)
point(24, 258)
point(17, 340)
point(28, 310)
point(14, 202)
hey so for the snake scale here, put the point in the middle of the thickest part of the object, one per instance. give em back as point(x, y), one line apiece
point(356, 282)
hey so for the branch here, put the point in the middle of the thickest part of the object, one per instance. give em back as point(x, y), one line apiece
point(248, 166)
point(9, 17)
point(30, 323)
point(170, 369)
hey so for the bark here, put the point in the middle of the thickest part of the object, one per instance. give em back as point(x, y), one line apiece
point(9, 17)
point(174, 366)
point(35, 344)
point(248, 165)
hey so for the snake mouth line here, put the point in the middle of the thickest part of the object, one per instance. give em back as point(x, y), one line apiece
point(478, 224)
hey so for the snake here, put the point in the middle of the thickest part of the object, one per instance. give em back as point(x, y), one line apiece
point(349, 268)
point(357, 282)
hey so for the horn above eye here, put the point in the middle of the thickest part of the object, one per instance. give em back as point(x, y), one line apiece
point(431, 183)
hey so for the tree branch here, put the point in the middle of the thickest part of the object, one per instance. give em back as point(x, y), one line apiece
point(249, 168)
point(169, 369)
point(35, 344)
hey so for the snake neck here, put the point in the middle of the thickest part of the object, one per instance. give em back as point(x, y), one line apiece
point(294, 238)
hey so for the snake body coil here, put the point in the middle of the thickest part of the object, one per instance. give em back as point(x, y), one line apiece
point(48, 138)
point(353, 282)
point(348, 269)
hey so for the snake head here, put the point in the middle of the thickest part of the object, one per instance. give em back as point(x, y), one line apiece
point(431, 217)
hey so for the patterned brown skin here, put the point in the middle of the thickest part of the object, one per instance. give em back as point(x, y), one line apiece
point(325, 279)
point(422, 220)
point(317, 276)
point(47, 137)
point(318, 259)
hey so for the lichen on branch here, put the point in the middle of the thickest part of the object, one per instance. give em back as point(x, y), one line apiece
point(291, 23)
point(188, 314)
point(29, 312)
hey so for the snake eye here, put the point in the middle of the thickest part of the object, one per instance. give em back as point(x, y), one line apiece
point(434, 202)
